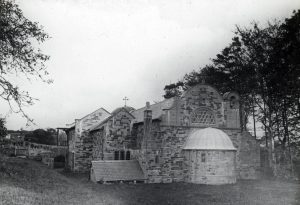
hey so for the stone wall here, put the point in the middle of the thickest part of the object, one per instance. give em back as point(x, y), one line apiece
point(82, 142)
point(161, 155)
point(71, 147)
point(83, 152)
point(162, 158)
point(249, 159)
point(98, 144)
point(210, 166)
point(114, 136)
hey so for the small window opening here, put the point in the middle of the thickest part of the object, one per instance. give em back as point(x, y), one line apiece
point(203, 157)
point(116, 155)
point(128, 155)
point(232, 101)
point(122, 155)
point(157, 157)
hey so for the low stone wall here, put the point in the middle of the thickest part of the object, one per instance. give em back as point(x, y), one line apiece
point(249, 157)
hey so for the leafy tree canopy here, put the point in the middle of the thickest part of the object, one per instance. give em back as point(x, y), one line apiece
point(19, 56)
point(42, 136)
point(3, 130)
point(262, 64)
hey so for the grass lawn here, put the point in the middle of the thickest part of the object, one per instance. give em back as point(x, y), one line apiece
point(23, 181)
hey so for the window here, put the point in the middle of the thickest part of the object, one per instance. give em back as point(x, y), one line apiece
point(203, 116)
point(232, 102)
point(122, 155)
point(116, 155)
point(157, 157)
point(203, 157)
point(128, 155)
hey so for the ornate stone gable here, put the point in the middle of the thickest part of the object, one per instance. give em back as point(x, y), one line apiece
point(201, 105)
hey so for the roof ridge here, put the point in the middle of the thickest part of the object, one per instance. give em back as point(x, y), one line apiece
point(94, 112)
point(109, 117)
point(154, 104)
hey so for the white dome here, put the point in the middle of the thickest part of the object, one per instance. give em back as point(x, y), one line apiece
point(209, 139)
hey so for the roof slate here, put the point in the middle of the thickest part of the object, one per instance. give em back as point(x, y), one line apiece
point(157, 110)
point(115, 170)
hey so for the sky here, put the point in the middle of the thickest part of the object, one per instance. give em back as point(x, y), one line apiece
point(101, 51)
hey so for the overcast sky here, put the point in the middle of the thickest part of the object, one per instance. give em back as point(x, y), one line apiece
point(104, 50)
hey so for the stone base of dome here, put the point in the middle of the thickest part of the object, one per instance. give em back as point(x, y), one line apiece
point(210, 167)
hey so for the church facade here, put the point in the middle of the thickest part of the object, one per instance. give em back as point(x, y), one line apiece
point(194, 138)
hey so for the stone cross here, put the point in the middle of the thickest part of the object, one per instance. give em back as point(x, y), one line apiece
point(125, 100)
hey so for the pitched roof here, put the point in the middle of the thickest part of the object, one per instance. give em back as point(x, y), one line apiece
point(115, 170)
point(72, 125)
point(157, 110)
point(127, 108)
point(114, 113)
point(94, 112)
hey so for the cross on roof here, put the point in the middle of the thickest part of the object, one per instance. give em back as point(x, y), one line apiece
point(125, 100)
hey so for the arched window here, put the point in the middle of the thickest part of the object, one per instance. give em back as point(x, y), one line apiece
point(203, 116)
point(232, 102)
point(157, 157)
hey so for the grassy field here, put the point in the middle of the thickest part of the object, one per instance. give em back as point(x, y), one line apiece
point(24, 181)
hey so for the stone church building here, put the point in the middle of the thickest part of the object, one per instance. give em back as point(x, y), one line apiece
point(194, 138)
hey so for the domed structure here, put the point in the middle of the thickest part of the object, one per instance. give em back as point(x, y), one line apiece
point(210, 157)
point(208, 139)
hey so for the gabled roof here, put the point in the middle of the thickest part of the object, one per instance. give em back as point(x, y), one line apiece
point(157, 110)
point(72, 125)
point(94, 112)
point(128, 108)
point(114, 113)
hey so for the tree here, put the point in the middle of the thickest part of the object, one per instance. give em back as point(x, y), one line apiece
point(42, 136)
point(19, 57)
point(262, 64)
point(3, 130)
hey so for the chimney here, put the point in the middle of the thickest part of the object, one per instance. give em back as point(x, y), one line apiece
point(147, 123)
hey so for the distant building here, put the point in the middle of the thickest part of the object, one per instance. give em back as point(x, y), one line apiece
point(16, 137)
point(195, 138)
